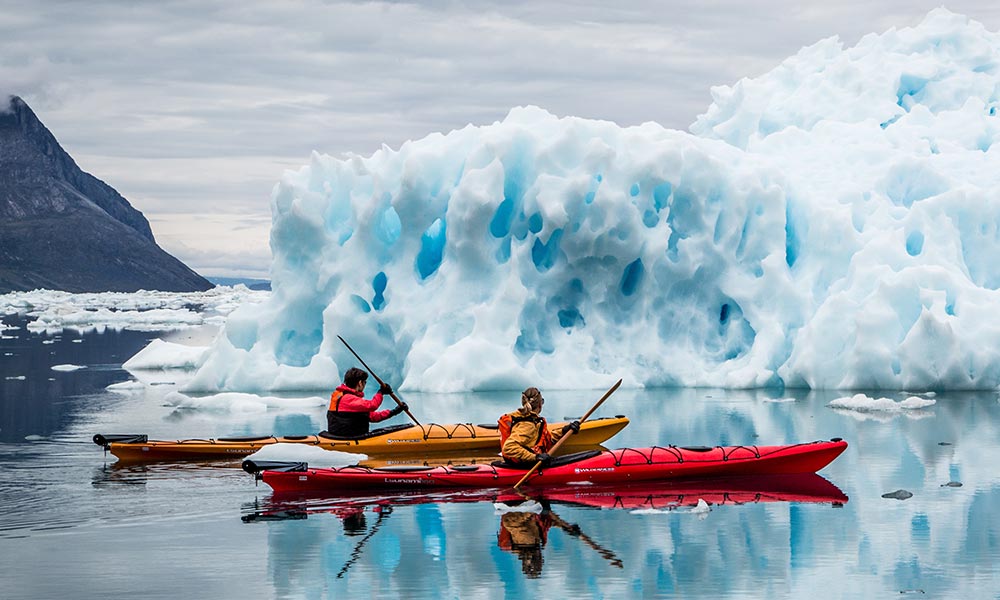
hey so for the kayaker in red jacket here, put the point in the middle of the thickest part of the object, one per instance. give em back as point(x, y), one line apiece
point(350, 413)
point(524, 435)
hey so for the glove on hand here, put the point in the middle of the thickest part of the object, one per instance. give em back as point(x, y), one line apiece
point(543, 458)
point(575, 426)
point(397, 410)
point(385, 388)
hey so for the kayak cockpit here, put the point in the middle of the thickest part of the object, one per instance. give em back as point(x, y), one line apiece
point(371, 434)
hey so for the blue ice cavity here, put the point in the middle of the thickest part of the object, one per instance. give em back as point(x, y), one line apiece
point(914, 243)
point(910, 90)
point(389, 227)
point(379, 284)
point(631, 277)
point(300, 340)
point(545, 255)
point(432, 244)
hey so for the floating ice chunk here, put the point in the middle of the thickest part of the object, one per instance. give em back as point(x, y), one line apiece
point(67, 367)
point(701, 509)
point(15, 378)
point(779, 400)
point(34, 438)
point(316, 457)
point(159, 354)
point(240, 403)
point(126, 387)
point(526, 506)
point(863, 403)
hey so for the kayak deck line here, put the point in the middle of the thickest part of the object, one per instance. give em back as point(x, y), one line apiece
point(404, 439)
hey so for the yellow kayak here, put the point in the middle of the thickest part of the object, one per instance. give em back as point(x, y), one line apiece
point(400, 440)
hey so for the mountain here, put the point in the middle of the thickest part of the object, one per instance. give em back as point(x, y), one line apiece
point(64, 229)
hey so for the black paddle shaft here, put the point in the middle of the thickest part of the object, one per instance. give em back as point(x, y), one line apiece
point(379, 380)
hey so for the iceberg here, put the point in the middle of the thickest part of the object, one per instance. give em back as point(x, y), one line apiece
point(829, 224)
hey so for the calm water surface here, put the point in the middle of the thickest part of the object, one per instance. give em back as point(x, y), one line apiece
point(76, 525)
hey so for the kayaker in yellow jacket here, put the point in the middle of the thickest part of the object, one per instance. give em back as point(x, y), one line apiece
point(524, 435)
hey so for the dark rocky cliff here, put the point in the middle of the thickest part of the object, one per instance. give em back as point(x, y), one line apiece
point(63, 229)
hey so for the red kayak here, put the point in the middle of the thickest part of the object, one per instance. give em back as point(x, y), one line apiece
point(608, 467)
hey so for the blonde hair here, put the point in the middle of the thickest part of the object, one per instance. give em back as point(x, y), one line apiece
point(531, 399)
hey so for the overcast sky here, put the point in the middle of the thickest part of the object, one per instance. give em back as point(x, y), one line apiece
point(192, 109)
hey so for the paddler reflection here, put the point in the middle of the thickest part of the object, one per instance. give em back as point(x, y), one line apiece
point(353, 520)
point(524, 533)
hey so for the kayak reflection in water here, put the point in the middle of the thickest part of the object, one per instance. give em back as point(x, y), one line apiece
point(524, 534)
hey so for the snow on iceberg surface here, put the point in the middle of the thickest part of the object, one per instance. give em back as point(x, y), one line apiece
point(830, 224)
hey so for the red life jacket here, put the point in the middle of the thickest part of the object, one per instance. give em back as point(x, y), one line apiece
point(506, 423)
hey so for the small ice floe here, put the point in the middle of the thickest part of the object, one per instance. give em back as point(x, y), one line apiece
point(8, 354)
point(15, 378)
point(863, 403)
point(67, 367)
point(239, 403)
point(952, 484)
point(126, 387)
point(77, 341)
point(34, 438)
point(315, 456)
point(48, 341)
point(898, 495)
point(526, 506)
point(701, 509)
point(167, 355)
point(777, 400)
